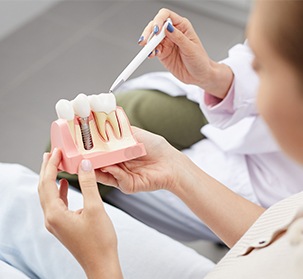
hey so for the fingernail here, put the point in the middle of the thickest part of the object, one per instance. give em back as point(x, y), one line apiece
point(86, 165)
point(156, 29)
point(156, 52)
point(170, 28)
point(141, 39)
point(150, 54)
point(45, 155)
point(55, 151)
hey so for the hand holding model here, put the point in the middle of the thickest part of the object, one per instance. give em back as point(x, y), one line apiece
point(94, 244)
point(151, 172)
point(183, 54)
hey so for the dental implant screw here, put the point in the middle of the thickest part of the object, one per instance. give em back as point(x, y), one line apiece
point(86, 134)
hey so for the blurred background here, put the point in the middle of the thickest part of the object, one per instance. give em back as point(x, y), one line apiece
point(56, 49)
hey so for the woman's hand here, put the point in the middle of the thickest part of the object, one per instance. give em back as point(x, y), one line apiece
point(183, 54)
point(164, 167)
point(159, 169)
point(87, 233)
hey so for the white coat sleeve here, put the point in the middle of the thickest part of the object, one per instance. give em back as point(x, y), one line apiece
point(236, 126)
point(240, 101)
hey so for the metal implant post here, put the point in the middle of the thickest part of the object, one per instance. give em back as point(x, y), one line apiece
point(86, 134)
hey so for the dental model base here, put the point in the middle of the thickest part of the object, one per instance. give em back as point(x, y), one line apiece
point(94, 128)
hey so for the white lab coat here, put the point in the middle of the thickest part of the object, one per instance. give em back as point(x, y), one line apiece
point(239, 150)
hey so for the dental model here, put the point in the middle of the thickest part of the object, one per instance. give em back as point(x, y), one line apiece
point(95, 128)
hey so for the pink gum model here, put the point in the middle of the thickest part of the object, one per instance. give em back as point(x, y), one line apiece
point(124, 149)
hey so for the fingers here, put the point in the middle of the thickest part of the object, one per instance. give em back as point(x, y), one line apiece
point(180, 33)
point(106, 178)
point(119, 176)
point(46, 157)
point(48, 189)
point(63, 190)
point(146, 33)
point(52, 164)
point(156, 24)
point(47, 185)
point(163, 15)
point(178, 38)
point(88, 184)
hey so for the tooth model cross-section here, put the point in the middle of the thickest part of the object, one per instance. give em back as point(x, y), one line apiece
point(94, 128)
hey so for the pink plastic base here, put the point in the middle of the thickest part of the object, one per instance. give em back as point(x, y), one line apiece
point(71, 157)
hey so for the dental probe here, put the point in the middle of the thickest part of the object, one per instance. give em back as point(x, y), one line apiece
point(141, 56)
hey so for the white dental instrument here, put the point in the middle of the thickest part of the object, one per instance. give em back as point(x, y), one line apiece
point(141, 56)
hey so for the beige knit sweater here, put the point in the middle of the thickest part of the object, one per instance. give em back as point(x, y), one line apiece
point(271, 248)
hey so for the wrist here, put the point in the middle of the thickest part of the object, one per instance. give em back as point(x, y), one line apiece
point(185, 175)
point(107, 267)
point(219, 80)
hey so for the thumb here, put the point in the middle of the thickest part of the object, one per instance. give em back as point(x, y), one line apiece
point(88, 184)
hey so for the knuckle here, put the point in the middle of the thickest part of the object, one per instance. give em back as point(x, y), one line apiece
point(51, 220)
point(188, 23)
point(86, 182)
point(185, 20)
point(48, 226)
point(163, 13)
point(163, 10)
point(94, 209)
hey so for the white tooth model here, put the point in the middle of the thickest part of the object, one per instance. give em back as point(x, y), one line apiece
point(64, 109)
point(82, 109)
point(104, 109)
point(93, 127)
point(104, 102)
point(81, 106)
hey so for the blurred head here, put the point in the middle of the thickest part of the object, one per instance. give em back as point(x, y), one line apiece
point(275, 34)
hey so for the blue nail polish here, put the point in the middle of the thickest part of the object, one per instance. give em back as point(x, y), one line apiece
point(156, 52)
point(170, 28)
point(141, 39)
point(156, 29)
